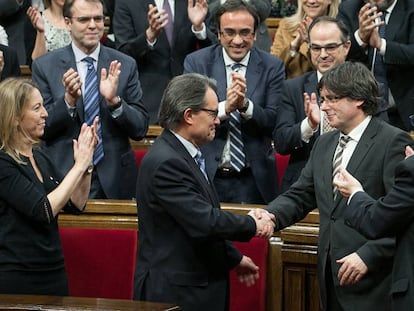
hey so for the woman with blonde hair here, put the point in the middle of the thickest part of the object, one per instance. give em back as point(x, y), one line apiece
point(32, 193)
point(290, 42)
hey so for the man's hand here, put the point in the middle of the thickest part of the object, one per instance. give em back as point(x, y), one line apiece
point(265, 222)
point(156, 21)
point(367, 17)
point(109, 82)
point(346, 183)
point(236, 93)
point(1, 61)
point(312, 110)
point(247, 271)
point(72, 84)
point(197, 12)
point(408, 152)
point(352, 269)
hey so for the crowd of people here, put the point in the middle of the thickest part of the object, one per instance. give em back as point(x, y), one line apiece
point(333, 90)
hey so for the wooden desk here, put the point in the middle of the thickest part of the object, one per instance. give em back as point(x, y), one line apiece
point(32, 302)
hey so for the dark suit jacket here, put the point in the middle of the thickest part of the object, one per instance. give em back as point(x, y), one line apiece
point(159, 64)
point(391, 215)
point(263, 7)
point(399, 55)
point(287, 134)
point(11, 63)
point(117, 171)
point(264, 75)
point(373, 162)
point(183, 255)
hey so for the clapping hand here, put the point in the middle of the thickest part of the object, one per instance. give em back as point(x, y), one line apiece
point(346, 183)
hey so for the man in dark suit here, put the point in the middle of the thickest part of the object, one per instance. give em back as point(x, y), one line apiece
point(62, 76)
point(391, 215)
point(183, 255)
point(249, 83)
point(296, 130)
point(9, 64)
point(139, 28)
point(396, 49)
point(263, 7)
point(370, 149)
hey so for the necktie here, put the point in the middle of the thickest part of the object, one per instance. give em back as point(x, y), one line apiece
point(168, 28)
point(338, 159)
point(326, 127)
point(201, 163)
point(237, 156)
point(379, 68)
point(91, 105)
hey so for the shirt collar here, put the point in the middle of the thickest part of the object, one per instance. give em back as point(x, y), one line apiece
point(357, 132)
point(80, 55)
point(192, 150)
point(228, 61)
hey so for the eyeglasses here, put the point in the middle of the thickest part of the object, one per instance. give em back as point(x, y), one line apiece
point(330, 99)
point(211, 112)
point(231, 33)
point(329, 48)
point(86, 19)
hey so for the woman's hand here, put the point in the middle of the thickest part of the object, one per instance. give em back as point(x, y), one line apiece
point(84, 146)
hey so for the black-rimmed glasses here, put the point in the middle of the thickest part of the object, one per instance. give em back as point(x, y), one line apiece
point(329, 99)
point(329, 48)
point(211, 112)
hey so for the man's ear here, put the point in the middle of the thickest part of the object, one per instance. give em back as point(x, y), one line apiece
point(188, 116)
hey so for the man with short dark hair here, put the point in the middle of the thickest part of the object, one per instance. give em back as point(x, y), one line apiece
point(86, 79)
point(370, 149)
point(296, 130)
point(183, 255)
point(241, 157)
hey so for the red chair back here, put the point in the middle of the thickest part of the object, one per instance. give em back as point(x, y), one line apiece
point(243, 298)
point(100, 262)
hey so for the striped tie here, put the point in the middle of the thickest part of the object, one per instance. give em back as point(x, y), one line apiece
point(338, 160)
point(237, 156)
point(91, 105)
point(201, 163)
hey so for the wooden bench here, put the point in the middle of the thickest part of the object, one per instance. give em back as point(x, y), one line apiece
point(291, 282)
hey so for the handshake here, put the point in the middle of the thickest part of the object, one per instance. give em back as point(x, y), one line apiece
point(265, 222)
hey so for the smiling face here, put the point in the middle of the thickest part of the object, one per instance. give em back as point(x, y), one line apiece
point(315, 8)
point(327, 34)
point(237, 34)
point(33, 120)
point(85, 32)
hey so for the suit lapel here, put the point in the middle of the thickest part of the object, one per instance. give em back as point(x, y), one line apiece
point(253, 72)
point(311, 84)
point(219, 71)
point(396, 20)
point(328, 158)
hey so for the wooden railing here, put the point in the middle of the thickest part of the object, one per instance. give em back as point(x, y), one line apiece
point(291, 269)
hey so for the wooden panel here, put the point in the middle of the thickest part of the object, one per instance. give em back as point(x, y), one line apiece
point(26, 72)
point(272, 24)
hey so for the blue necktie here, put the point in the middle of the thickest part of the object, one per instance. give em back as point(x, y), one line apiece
point(201, 163)
point(237, 156)
point(168, 28)
point(91, 105)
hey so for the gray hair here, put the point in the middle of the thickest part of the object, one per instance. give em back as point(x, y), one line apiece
point(183, 92)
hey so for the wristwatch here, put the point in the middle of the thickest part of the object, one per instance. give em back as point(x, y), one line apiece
point(116, 106)
point(89, 170)
point(245, 105)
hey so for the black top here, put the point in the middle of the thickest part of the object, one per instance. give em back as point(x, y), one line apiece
point(29, 237)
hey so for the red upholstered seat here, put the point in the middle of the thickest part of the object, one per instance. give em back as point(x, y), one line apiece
point(100, 262)
point(243, 298)
point(139, 155)
point(282, 162)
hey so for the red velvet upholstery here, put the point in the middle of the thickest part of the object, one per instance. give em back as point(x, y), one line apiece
point(281, 163)
point(100, 262)
point(243, 298)
point(139, 155)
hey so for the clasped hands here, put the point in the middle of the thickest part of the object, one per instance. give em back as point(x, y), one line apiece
point(108, 85)
point(265, 222)
point(236, 93)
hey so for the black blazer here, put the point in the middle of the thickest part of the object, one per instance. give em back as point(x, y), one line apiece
point(391, 215)
point(287, 134)
point(183, 255)
point(399, 55)
point(373, 162)
point(11, 63)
